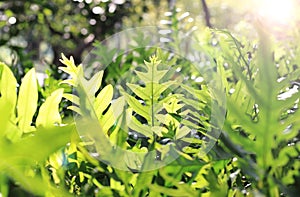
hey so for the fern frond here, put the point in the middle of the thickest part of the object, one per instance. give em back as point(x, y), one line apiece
point(255, 111)
point(87, 103)
point(71, 69)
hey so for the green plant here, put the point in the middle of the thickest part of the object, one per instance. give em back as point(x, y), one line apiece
point(261, 123)
point(25, 139)
point(154, 112)
point(145, 136)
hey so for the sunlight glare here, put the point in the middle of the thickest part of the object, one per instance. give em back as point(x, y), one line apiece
point(277, 11)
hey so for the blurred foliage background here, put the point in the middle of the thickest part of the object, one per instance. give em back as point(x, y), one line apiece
point(35, 33)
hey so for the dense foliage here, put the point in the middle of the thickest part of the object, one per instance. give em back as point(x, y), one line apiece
point(198, 113)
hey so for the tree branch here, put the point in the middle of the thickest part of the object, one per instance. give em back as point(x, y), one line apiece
point(206, 14)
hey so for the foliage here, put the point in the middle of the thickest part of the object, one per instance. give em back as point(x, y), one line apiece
point(263, 118)
point(36, 32)
point(159, 126)
point(137, 124)
point(26, 141)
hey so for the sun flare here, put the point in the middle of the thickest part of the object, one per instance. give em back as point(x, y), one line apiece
point(277, 11)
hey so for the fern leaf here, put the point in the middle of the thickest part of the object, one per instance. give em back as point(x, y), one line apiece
point(8, 84)
point(87, 103)
point(103, 100)
point(152, 75)
point(255, 113)
point(49, 111)
point(71, 69)
point(27, 101)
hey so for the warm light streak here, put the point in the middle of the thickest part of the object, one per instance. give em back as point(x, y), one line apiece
point(277, 11)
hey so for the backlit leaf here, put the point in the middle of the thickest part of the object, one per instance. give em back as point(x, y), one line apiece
point(49, 111)
point(27, 101)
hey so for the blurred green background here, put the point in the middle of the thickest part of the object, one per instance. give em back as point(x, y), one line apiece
point(36, 32)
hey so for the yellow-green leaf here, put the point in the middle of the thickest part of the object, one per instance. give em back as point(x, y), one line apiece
point(8, 91)
point(27, 101)
point(103, 100)
point(49, 111)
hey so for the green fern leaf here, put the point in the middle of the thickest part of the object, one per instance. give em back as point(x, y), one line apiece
point(255, 114)
point(150, 94)
point(71, 69)
point(87, 103)
point(8, 84)
point(49, 111)
point(27, 101)
point(103, 100)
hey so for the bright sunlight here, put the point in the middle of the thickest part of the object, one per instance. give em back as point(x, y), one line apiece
point(277, 11)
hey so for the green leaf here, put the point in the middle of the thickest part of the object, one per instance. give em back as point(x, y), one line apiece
point(24, 148)
point(118, 136)
point(199, 95)
point(93, 85)
point(86, 104)
point(103, 100)
point(152, 75)
point(27, 152)
point(73, 98)
point(118, 106)
point(75, 109)
point(49, 111)
point(182, 189)
point(144, 180)
point(134, 124)
point(8, 100)
point(138, 90)
point(107, 120)
point(73, 70)
point(27, 101)
point(8, 90)
point(259, 120)
point(183, 131)
point(150, 102)
point(142, 110)
point(12, 131)
point(4, 186)
point(155, 89)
